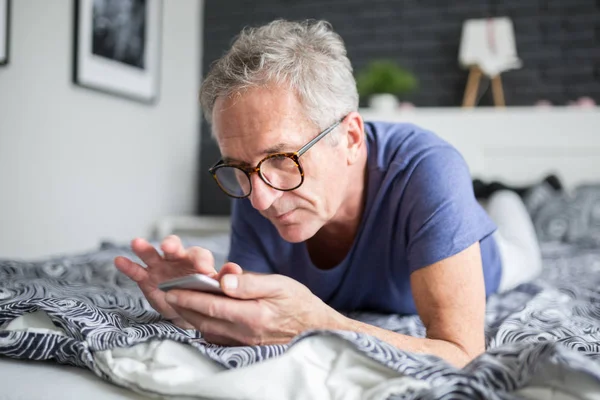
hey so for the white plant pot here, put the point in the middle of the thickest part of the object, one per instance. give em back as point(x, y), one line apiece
point(384, 102)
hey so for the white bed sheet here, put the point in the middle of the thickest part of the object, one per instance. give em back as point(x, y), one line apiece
point(42, 380)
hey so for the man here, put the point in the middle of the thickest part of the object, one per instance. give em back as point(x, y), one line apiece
point(331, 214)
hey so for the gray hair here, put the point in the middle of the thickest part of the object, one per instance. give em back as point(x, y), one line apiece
point(308, 57)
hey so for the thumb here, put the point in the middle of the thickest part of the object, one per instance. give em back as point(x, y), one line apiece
point(251, 286)
point(229, 268)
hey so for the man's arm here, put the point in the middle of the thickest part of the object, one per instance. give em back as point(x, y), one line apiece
point(272, 309)
point(450, 299)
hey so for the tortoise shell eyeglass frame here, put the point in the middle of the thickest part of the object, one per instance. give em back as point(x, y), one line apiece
point(294, 156)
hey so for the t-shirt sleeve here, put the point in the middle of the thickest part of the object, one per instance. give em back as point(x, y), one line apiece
point(247, 247)
point(439, 210)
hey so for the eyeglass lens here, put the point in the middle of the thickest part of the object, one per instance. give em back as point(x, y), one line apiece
point(280, 172)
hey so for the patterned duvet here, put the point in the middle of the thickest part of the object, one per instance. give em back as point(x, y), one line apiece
point(553, 322)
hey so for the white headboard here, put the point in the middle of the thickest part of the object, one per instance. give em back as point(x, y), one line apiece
point(518, 145)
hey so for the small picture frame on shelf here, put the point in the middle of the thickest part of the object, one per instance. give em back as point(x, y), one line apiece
point(4, 31)
point(117, 47)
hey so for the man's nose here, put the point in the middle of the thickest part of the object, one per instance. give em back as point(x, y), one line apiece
point(263, 195)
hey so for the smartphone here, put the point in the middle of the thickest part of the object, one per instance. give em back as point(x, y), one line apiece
point(198, 282)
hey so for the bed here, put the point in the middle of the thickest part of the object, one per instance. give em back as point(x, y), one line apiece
point(77, 328)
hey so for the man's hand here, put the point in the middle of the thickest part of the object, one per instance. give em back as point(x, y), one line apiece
point(175, 263)
point(258, 310)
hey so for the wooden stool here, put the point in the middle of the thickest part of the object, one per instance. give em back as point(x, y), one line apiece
point(472, 88)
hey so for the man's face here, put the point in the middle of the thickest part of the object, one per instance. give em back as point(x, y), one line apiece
point(264, 121)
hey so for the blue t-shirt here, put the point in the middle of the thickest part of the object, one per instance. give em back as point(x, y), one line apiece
point(420, 208)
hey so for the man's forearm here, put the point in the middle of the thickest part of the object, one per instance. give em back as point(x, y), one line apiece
point(450, 352)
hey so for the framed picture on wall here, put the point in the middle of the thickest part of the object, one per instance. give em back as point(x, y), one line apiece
point(4, 30)
point(117, 47)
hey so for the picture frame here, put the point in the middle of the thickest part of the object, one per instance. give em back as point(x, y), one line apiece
point(4, 31)
point(117, 47)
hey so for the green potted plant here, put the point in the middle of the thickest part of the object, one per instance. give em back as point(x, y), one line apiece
point(383, 82)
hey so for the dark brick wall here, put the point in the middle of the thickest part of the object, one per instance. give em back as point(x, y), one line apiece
point(558, 41)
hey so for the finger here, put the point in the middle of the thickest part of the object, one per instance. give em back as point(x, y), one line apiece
point(203, 260)
point(173, 248)
point(211, 305)
point(221, 340)
point(181, 323)
point(156, 298)
point(229, 268)
point(207, 325)
point(133, 270)
point(145, 251)
point(251, 286)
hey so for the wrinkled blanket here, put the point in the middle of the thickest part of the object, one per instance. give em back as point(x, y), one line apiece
point(551, 324)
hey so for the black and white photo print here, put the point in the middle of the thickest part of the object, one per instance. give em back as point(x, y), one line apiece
point(119, 31)
point(117, 47)
point(4, 30)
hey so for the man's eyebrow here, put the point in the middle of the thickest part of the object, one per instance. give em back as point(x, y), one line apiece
point(278, 148)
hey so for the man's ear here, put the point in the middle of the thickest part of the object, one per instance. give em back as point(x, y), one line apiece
point(355, 136)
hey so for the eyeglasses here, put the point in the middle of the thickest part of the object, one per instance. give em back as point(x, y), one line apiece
point(281, 171)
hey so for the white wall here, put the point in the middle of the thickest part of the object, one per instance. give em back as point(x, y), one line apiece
point(518, 145)
point(78, 166)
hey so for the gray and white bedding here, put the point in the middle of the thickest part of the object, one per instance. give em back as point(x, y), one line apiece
point(543, 337)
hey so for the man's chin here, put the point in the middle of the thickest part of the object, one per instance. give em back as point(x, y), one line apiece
point(294, 233)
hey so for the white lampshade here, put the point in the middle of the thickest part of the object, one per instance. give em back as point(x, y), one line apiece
point(489, 44)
